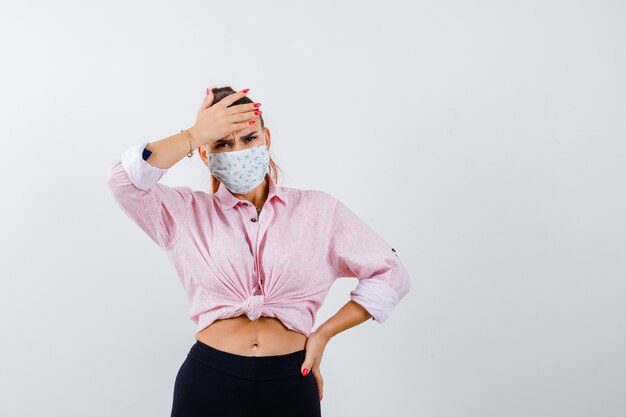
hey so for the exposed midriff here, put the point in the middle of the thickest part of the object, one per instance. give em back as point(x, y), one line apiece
point(264, 336)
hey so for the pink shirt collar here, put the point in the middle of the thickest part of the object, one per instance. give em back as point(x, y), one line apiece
point(228, 200)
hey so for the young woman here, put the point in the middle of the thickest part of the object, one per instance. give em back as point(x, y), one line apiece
point(256, 261)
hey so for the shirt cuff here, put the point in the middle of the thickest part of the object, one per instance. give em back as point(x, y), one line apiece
point(376, 296)
point(141, 173)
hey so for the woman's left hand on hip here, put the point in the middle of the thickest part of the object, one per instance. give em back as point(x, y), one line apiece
point(314, 347)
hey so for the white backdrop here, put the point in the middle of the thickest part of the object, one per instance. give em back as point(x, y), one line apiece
point(484, 140)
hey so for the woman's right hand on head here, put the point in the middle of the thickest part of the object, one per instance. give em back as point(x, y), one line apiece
point(216, 121)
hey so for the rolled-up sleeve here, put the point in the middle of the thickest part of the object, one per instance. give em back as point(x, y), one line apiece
point(159, 210)
point(357, 251)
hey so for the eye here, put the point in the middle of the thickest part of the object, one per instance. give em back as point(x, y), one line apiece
point(247, 140)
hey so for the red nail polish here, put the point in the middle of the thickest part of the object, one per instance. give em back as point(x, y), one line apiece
point(257, 104)
point(257, 112)
point(251, 122)
point(305, 371)
point(246, 90)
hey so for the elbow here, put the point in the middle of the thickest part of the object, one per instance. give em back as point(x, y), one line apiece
point(403, 285)
point(116, 179)
point(120, 185)
point(111, 180)
point(399, 278)
point(380, 294)
point(376, 296)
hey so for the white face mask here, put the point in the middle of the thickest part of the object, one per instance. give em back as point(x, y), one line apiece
point(240, 171)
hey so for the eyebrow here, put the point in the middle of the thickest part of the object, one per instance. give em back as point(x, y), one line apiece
point(241, 137)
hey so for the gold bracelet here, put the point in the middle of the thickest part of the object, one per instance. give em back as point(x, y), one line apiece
point(190, 154)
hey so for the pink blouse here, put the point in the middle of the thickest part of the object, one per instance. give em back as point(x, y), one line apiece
point(280, 263)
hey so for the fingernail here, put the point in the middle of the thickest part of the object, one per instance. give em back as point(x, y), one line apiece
point(305, 371)
point(322, 396)
point(246, 90)
point(257, 104)
point(251, 122)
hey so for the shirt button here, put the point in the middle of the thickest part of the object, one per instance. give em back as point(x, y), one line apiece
point(253, 219)
point(245, 204)
point(393, 249)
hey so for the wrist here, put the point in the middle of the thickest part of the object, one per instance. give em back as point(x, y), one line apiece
point(323, 333)
point(196, 140)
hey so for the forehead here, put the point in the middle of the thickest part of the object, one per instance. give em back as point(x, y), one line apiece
point(240, 134)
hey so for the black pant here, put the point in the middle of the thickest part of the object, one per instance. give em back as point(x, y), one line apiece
point(215, 383)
